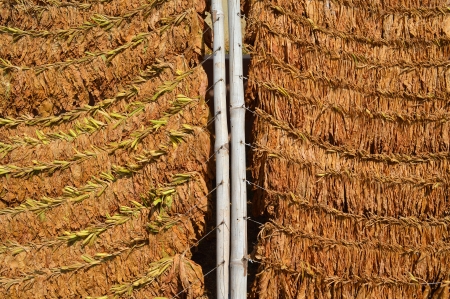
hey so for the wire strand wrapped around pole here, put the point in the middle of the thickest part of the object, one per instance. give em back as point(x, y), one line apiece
point(238, 257)
point(221, 149)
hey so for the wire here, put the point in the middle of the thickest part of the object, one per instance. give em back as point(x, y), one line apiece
point(249, 219)
point(213, 119)
point(207, 29)
point(209, 88)
point(202, 238)
point(209, 56)
point(196, 244)
point(253, 184)
point(209, 272)
point(195, 206)
point(218, 150)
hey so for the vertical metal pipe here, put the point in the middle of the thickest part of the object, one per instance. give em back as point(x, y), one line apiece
point(238, 261)
point(221, 148)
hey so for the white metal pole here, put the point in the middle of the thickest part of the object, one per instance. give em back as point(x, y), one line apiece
point(238, 258)
point(221, 148)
